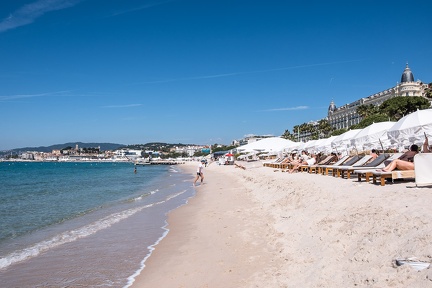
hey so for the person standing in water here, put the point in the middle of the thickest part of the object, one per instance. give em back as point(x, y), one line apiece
point(200, 172)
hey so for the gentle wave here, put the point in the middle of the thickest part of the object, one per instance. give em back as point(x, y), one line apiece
point(131, 279)
point(73, 235)
point(145, 195)
point(172, 169)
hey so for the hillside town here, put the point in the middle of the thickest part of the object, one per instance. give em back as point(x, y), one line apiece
point(77, 153)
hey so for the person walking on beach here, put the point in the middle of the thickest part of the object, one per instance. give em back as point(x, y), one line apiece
point(200, 172)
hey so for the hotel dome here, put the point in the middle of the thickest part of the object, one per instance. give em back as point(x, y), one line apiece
point(332, 107)
point(407, 75)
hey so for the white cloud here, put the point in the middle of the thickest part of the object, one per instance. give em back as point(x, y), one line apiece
point(21, 96)
point(122, 106)
point(289, 108)
point(248, 72)
point(27, 14)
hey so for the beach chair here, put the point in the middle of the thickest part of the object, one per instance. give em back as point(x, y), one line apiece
point(350, 161)
point(282, 163)
point(322, 168)
point(340, 170)
point(393, 175)
point(367, 172)
point(326, 161)
point(423, 169)
point(271, 163)
point(367, 164)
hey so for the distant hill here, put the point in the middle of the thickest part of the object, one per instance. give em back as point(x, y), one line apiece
point(103, 147)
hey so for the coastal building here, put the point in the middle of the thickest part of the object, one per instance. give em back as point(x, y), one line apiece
point(346, 115)
point(249, 139)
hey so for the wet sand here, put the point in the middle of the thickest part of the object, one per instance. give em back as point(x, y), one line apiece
point(261, 227)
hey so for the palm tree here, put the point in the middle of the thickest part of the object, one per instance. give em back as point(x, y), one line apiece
point(365, 111)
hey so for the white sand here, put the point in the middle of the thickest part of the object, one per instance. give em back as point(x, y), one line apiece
point(260, 228)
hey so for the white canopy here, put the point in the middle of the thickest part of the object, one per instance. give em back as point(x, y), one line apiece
point(342, 142)
point(325, 145)
point(273, 144)
point(309, 145)
point(373, 136)
point(412, 128)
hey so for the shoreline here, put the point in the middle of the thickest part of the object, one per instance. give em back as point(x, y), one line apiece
point(260, 227)
point(189, 257)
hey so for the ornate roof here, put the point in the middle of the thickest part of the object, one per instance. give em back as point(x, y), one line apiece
point(407, 75)
point(332, 107)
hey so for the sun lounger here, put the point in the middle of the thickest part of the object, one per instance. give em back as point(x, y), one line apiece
point(423, 169)
point(366, 172)
point(322, 168)
point(367, 164)
point(283, 163)
point(393, 175)
point(272, 163)
point(340, 170)
point(422, 172)
point(348, 162)
point(326, 161)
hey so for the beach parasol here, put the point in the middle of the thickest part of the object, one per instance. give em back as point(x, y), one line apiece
point(309, 145)
point(343, 141)
point(374, 135)
point(411, 128)
point(272, 144)
point(325, 145)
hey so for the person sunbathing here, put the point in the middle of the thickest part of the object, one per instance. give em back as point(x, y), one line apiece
point(373, 154)
point(406, 161)
point(306, 161)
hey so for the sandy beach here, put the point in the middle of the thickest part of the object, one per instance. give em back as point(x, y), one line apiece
point(260, 227)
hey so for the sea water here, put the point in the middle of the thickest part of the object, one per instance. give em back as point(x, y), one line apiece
point(83, 224)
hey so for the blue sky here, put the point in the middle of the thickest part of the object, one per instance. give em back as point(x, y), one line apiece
point(189, 71)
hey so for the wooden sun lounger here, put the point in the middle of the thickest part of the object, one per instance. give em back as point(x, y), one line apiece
point(313, 168)
point(395, 174)
point(366, 172)
point(367, 164)
point(322, 169)
point(273, 163)
point(340, 170)
point(283, 163)
point(327, 161)
point(358, 170)
point(348, 162)
point(422, 168)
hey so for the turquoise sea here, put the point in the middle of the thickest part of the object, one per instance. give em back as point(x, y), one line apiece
point(83, 224)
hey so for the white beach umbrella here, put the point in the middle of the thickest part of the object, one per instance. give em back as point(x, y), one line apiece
point(309, 145)
point(296, 146)
point(272, 144)
point(343, 141)
point(314, 147)
point(373, 136)
point(412, 128)
point(325, 145)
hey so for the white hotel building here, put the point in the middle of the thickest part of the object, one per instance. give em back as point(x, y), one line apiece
point(346, 115)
